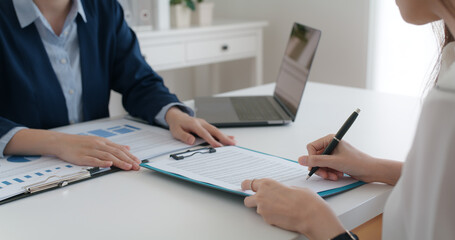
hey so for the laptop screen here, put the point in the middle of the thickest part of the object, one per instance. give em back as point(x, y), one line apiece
point(295, 66)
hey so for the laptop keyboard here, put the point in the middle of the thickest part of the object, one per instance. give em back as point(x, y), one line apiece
point(255, 108)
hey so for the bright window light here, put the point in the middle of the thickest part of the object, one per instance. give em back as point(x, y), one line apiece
point(401, 55)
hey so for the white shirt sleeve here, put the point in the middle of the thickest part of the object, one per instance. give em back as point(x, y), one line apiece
point(4, 140)
point(160, 118)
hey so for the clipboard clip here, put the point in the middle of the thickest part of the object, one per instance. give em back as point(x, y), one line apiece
point(190, 153)
point(60, 181)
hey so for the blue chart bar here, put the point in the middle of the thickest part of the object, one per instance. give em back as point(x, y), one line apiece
point(22, 159)
point(28, 176)
point(48, 170)
point(132, 127)
point(114, 127)
point(68, 166)
point(102, 133)
point(6, 183)
point(39, 174)
point(57, 168)
point(123, 130)
point(0, 187)
point(18, 180)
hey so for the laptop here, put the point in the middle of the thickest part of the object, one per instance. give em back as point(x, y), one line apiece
point(279, 109)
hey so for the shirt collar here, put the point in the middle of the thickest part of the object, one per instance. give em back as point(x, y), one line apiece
point(27, 12)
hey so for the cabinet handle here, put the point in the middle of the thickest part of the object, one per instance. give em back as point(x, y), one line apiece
point(225, 47)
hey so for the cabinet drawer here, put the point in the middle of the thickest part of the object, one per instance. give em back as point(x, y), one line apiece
point(220, 47)
point(164, 54)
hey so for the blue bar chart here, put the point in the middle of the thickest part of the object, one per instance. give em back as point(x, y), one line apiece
point(111, 131)
point(28, 176)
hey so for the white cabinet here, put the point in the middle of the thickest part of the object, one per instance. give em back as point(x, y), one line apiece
point(194, 46)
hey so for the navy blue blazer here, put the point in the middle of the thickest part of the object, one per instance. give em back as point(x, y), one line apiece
point(30, 94)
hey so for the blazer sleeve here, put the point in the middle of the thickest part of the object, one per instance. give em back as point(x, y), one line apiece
point(6, 126)
point(143, 91)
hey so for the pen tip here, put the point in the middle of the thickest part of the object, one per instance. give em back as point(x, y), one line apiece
point(308, 177)
point(357, 110)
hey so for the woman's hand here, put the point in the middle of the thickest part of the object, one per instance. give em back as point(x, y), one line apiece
point(347, 159)
point(95, 151)
point(182, 126)
point(295, 209)
point(77, 149)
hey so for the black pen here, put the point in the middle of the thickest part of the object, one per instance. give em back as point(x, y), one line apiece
point(329, 149)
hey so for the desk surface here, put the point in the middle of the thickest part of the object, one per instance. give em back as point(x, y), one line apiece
point(148, 205)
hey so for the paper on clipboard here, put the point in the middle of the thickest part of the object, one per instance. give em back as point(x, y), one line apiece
point(229, 166)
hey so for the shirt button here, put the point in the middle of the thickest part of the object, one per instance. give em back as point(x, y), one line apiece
point(66, 33)
point(71, 91)
point(63, 61)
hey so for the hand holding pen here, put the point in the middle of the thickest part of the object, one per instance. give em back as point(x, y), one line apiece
point(337, 138)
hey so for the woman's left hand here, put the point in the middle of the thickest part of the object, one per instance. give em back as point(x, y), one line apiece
point(183, 125)
point(295, 209)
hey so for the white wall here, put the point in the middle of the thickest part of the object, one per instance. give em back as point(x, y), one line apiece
point(342, 55)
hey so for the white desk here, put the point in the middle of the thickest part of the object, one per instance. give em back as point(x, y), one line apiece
point(148, 205)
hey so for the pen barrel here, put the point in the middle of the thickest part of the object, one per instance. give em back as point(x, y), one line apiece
point(346, 126)
point(329, 149)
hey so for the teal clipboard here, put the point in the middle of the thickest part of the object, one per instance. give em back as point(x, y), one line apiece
point(323, 194)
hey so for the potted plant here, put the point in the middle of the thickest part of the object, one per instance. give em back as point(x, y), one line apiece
point(181, 12)
point(204, 13)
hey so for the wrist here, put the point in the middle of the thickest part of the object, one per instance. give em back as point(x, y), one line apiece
point(324, 224)
point(173, 113)
point(33, 142)
point(385, 171)
point(55, 143)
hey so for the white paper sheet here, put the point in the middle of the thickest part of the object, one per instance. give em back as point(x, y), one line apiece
point(18, 172)
point(146, 141)
point(230, 165)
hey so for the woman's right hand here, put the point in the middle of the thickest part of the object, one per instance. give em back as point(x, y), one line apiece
point(347, 159)
point(77, 149)
point(95, 151)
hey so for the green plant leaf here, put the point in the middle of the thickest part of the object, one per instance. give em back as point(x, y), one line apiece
point(190, 4)
point(175, 2)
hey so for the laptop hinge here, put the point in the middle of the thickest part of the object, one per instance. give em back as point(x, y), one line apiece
point(283, 106)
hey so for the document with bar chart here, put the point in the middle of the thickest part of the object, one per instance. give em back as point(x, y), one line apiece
point(18, 173)
point(145, 141)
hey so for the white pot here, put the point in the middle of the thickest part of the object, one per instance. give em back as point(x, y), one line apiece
point(204, 14)
point(180, 16)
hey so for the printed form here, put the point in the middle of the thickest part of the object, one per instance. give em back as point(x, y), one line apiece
point(230, 165)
